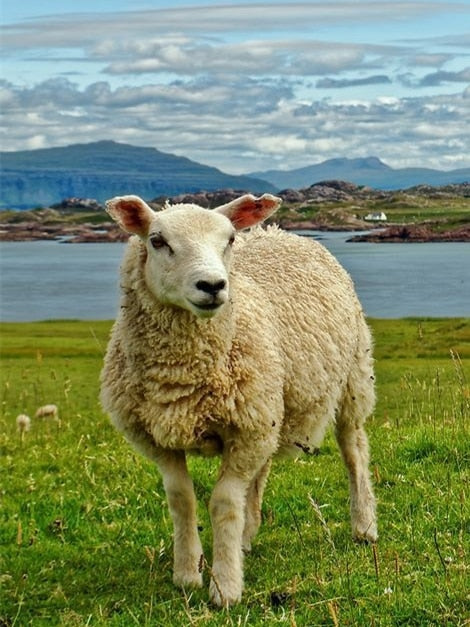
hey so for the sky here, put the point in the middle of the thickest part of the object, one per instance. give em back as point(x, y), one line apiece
point(242, 86)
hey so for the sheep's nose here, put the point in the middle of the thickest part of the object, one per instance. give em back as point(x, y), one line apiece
point(211, 288)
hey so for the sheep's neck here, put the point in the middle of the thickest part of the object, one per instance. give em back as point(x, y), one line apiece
point(179, 347)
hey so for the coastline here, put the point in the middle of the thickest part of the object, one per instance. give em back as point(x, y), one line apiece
point(416, 233)
point(109, 232)
point(420, 214)
point(62, 233)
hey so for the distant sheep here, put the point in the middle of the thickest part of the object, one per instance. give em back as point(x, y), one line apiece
point(48, 411)
point(23, 424)
point(247, 347)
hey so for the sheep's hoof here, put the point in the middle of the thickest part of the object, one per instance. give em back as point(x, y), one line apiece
point(367, 535)
point(246, 546)
point(188, 580)
point(223, 598)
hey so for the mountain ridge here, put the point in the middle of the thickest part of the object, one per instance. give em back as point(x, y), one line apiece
point(104, 169)
point(368, 171)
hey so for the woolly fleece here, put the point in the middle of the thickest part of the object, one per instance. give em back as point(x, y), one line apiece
point(266, 375)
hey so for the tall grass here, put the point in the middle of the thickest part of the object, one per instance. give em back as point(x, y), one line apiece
point(85, 534)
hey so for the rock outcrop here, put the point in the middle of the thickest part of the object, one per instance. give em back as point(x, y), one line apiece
point(325, 206)
point(414, 233)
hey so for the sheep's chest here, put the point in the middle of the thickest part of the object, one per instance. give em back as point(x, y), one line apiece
point(187, 415)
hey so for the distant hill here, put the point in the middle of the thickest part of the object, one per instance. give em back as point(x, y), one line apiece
point(369, 171)
point(100, 170)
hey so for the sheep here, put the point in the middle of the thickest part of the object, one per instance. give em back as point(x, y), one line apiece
point(47, 411)
point(247, 345)
point(23, 424)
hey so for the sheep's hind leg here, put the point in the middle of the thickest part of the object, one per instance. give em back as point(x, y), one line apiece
point(179, 490)
point(353, 443)
point(254, 499)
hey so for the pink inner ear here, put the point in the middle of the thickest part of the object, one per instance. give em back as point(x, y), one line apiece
point(248, 210)
point(132, 214)
point(132, 218)
point(246, 216)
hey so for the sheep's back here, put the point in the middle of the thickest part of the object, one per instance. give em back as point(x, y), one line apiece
point(319, 317)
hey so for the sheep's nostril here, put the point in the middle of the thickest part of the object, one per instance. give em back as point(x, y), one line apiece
point(211, 288)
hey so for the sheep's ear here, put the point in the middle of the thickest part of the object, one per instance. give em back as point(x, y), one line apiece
point(131, 213)
point(248, 210)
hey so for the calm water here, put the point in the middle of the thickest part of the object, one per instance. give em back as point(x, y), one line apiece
point(44, 280)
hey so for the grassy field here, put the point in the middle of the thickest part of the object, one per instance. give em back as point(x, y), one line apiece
point(438, 212)
point(85, 535)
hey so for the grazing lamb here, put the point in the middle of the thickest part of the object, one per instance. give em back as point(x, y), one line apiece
point(47, 411)
point(245, 346)
point(23, 424)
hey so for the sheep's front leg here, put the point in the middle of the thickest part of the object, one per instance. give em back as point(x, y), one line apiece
point(227, 511)
point(182, 505)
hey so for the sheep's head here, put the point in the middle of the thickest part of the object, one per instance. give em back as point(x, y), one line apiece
point(189, 248)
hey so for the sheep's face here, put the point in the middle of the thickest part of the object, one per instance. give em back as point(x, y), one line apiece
point(188, 259)
point(189, 248)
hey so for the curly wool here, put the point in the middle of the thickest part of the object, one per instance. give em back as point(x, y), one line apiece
point(290, 342)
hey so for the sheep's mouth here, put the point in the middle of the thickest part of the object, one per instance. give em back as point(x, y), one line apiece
point(205, 310)
point(206, 306)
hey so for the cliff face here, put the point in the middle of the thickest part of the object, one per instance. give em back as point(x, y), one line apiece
point(40, 178)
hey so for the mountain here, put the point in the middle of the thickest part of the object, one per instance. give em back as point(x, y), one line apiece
point(104, 169)
point(369, 171)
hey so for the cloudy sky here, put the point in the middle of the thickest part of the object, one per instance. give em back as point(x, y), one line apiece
point(242, 86)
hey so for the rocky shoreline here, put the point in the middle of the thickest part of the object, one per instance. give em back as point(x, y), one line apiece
point(110, 233)
point(415, 233)
point(324, 206)
point(71, 234)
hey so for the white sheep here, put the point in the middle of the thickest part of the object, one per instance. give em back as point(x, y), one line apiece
point(47, 411)
point(23, 424)
point(247, 346)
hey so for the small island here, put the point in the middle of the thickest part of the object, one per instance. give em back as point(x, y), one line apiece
point(419, 214)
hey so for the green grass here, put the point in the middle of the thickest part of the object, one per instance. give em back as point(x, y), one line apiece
point(85, 535)
point(440, 213)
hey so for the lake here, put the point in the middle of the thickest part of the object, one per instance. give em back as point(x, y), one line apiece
point(49, 280)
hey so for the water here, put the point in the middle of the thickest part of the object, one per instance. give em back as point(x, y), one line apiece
point(399, 280)
point(48, 280)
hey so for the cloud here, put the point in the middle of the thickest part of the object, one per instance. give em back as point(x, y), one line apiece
point(430, 59)
point(333, 83)
point(437, 78)
point(78, 29)
point(254, 57)
point(199, 39)
point(239, 86)
point(239, 127)
point(461, 40)
point(203, 40)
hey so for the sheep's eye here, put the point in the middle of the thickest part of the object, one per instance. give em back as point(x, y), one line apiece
point(158, 242)
point(229, 244)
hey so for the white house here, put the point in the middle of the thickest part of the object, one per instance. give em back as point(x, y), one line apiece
point(378, 216)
